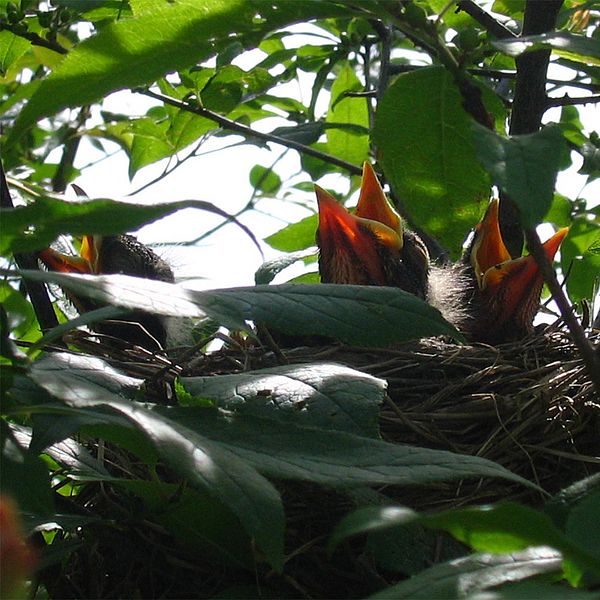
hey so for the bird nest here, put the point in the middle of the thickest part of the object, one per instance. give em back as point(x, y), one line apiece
point(528, 405)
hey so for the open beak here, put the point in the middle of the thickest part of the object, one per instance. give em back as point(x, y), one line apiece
point(351, 242)
point(373, 204)
point(86, 263)
point(513, 284)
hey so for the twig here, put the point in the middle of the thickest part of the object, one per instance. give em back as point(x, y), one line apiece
point(38, 294)
point(568, 101)
point(34, 38)
point(483, 18)
point(252, 133)
point(590, 356)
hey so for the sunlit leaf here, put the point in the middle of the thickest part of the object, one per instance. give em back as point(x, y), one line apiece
point(328, 396)
point(426, 150)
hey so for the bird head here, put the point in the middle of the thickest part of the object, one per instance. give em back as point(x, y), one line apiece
point(371, 246)
point(87, 262)
point(107, 255)
point(508, 289)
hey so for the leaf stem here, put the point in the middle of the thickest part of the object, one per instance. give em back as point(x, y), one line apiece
point(252, 133)
point(34, 38)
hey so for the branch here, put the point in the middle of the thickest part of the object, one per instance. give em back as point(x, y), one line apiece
point(489, 23)
point(590, 356)
point(529, 104)
point(38, 294)
point(34, 38)
point(252, 133)
point(568, 101)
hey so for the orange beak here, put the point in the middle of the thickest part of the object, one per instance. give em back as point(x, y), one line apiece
point(514, 285)
point(373, 204)
point(349, 243)
point(86, 263)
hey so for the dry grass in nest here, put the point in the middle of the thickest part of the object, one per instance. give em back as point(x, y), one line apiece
point(528, 405)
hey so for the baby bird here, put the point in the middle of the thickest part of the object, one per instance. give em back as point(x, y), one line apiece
point(371, 246)
point(504, 292)
point(110, 255)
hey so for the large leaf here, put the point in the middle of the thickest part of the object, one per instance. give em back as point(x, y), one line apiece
point(426, 150)
point(165, 36)
point(367, 315)
point(464, 577)
point(328, 396)
point(82, 382)
point(37, 225)
point(524, 166)
point(570, 45)
point(285, 450)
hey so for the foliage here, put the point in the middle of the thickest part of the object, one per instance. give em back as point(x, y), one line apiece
point(426, 88)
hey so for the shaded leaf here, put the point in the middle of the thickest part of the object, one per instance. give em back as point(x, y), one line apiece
point(366, 315)
point(328, 396)
point(83, 381)
point(524, 166)
point(24, 476)
point(334, 458)
point(271, 268)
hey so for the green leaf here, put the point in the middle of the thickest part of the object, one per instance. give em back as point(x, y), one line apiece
point(499, 528)
point(580, 258)
point(427, 154)
point(332, 458)
point(524, 166)
point(327, 396)
point(12, 47)
point(570, 45)
point(37, 225)
point(83, 381)
point(271, 268)
point(150, 143)
point(348, 145)
point(464, 577)
point(297, 236)
point(265, 180)
point(583, 525)
point(364, 315)
point(164, 36)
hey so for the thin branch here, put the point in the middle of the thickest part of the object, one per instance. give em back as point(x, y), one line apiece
point(590, 356)
point(37, 291)
point(252, 133)
point(34, 38)
point(485, 19)
point(568, 101)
